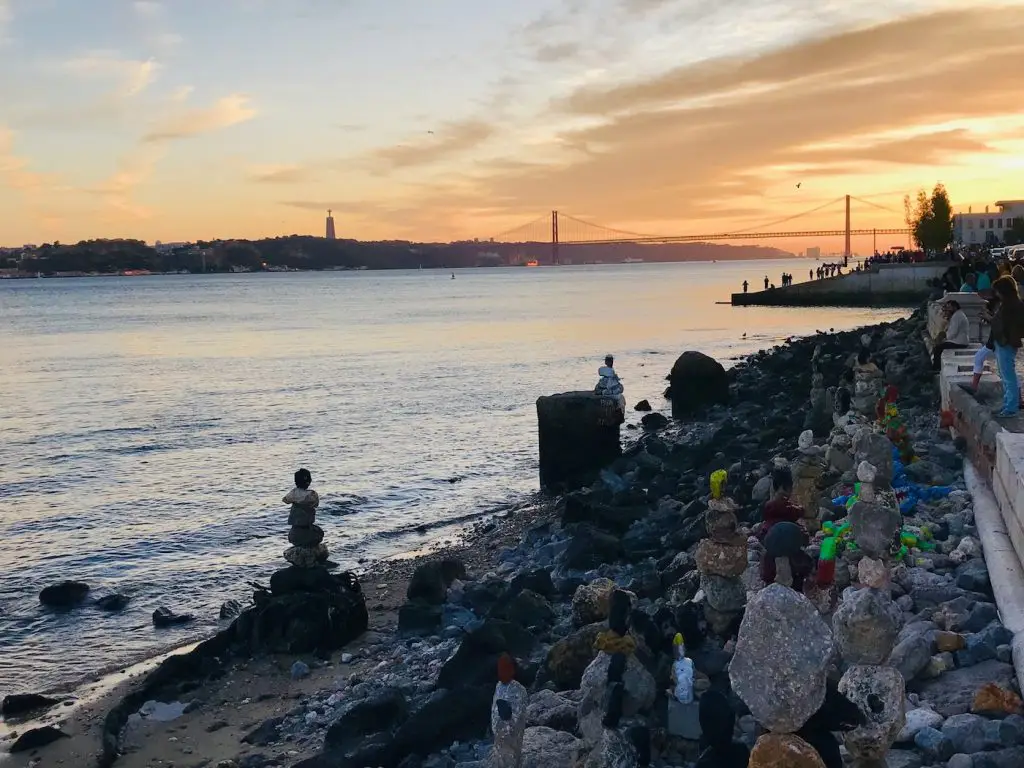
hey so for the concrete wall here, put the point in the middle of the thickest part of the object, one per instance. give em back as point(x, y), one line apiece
point(887, 284)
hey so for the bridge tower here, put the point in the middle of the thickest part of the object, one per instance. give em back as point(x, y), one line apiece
point(846, 250)
point(554, 237)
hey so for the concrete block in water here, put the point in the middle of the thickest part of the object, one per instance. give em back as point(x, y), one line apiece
point(578, 435)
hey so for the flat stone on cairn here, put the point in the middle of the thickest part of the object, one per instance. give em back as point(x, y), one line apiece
point(578, 435)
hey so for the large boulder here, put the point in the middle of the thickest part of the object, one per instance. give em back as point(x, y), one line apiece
point(696, 381)
point(64, 595)
point(578, 435)
point(782, 654)
point(308, 610)
point(866, 626)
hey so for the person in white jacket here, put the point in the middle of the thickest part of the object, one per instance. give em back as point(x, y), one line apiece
point(957, 332)
point(609, 385)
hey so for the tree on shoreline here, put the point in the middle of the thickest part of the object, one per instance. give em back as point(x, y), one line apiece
point(930, 219)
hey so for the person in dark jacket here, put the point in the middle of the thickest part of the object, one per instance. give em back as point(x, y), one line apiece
point(1007, 330)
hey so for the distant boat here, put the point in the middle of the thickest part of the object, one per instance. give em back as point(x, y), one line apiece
point(533, 263)
point(631, 260)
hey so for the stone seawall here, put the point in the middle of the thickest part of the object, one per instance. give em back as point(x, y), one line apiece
point(885, 285)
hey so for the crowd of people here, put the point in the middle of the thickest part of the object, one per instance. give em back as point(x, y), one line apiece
point(1001, 285)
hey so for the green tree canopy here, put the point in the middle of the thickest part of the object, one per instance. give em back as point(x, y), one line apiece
point(931, 220)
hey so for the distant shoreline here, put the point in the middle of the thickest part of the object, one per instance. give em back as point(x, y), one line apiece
point(132, 273)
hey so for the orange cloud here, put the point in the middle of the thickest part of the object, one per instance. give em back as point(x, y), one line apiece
point(666, 149)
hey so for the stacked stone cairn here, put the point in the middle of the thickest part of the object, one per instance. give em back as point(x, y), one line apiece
point(616, 687)
point(508, 717)
point(722, 559)
point(868, 384)
point(819, 416)
point(307, 539)
point(807, 473)
point(783, 652)
point(866, 628)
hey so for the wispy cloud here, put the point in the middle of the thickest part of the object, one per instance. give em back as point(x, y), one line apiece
point(226, 112)
point(282, 174)
point(133, 76)
point(449, 141)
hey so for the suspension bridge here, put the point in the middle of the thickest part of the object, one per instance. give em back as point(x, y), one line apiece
point(561, 229)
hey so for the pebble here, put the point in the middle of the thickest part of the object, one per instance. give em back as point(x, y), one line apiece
point(300, 670)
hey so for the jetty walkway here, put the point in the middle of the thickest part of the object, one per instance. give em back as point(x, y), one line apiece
point(880, 285)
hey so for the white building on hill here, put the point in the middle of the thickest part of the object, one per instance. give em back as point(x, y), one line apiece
point(987, 227)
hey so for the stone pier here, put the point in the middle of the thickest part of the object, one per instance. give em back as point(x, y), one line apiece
point(578, 435)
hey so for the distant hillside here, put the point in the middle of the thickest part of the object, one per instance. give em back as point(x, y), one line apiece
point(306, 252)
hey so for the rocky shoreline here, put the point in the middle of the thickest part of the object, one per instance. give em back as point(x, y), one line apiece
point(913, 664)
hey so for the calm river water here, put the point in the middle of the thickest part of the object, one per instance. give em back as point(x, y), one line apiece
point(150, 426)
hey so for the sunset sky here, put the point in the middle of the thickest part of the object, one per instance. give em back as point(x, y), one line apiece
point(186, 119)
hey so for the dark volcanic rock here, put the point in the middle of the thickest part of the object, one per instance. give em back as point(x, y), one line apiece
point(590, 547)
point(447, 716)
point(165, 617)
point(320, 619)
point(20, 703)
point(64, 595)
point(654, 421)
point(643, 405)
point(475, 662)
point(265, 733)
point(430, 581)
point(36, 738)
point(614, 519)
point(382, 712)
point(418, 616)
point(696, 381)
point(528, 609)
point(114, 602)
point(229, 609)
